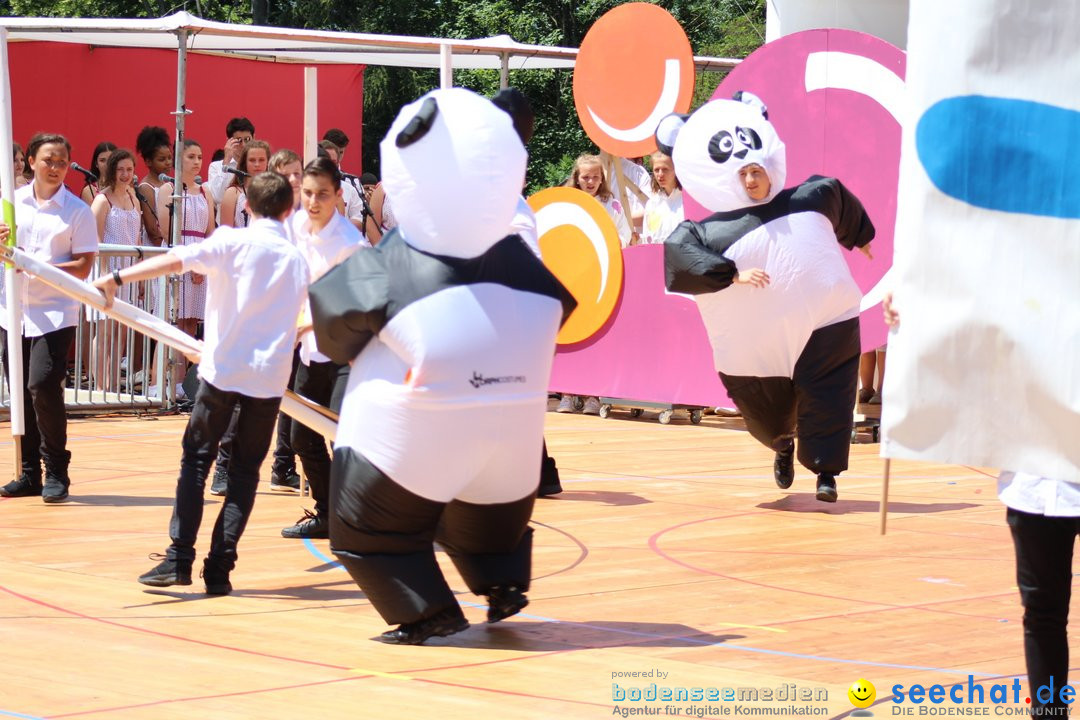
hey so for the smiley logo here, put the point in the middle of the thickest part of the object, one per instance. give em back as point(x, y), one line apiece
point(862, 693)
point(580, 246)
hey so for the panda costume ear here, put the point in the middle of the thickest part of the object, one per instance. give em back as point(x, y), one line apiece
point(668, 130)
point(749, 98)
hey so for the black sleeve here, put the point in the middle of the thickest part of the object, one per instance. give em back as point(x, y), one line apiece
point(690, 266)
point(849, 219)
point(348, 305)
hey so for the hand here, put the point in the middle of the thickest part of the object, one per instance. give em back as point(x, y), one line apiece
point(197, 279)
point(5, 231)
point(892, 315)
point(107, 286)
point(304, 328)
point(754, 276)
point(233, 146)
point(194, 358)
point(865, 250)
point(635, 239)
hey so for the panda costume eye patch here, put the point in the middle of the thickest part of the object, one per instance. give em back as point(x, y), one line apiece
point(721, 145)
point(419, 125)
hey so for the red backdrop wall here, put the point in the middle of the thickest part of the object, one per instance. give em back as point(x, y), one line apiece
point(95, 94)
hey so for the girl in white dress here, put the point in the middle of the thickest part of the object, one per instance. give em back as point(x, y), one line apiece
point(254, 159)
point(664, 210)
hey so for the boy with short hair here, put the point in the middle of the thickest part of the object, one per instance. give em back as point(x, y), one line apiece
point(257, 284)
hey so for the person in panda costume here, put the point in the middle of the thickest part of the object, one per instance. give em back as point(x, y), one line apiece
point(768, 275)
point(450, 326)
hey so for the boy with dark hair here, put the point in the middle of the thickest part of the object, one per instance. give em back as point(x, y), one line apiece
point(326, 239)
point(239, 131)
point(56, 226)
point(257, 282)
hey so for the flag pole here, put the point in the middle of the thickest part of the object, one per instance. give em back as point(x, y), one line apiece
point(12, 279)
point(884, 510)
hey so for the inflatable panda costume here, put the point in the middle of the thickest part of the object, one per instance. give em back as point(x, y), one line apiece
point(450, 327)
point(775, 293)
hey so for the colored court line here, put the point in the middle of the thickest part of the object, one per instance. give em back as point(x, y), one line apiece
point(691, 640)
point(7, 713)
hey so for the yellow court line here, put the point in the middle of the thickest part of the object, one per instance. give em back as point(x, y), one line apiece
point(376, 673)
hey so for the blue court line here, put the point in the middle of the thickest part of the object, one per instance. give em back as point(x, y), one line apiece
point(695, 641)
point(7, 713)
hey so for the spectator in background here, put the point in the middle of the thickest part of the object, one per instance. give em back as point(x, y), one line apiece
point(20, 165)
point(352, 204)
point(238, 132)
point(664, 210)
point(254, 159)
point(97, 166)
point(155, 148)
point(286, 162)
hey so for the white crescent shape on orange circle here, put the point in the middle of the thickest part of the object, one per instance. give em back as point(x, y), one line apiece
point(846, 71)
point(563, 213)
point(669, 95)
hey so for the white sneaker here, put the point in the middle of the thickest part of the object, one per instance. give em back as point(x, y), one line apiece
point(123, 365)
point(180, 394)
point(592, 406)
point(153, 392)
point(726, 412)
point(566, 404)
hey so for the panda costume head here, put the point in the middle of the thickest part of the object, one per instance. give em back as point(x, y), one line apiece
point(712, 145)
point(453, 166)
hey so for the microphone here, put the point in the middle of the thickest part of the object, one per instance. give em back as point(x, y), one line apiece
point(168, 178)
point(90, 176)
point(243, 175)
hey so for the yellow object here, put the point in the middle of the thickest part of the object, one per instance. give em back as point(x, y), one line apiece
point(862, 693)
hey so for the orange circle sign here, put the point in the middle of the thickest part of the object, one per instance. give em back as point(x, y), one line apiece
point(580, 245)
point(635, 66)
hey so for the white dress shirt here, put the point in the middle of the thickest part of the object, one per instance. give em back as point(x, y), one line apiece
point(256, 284)
point(53, 231)
point(1038, 495)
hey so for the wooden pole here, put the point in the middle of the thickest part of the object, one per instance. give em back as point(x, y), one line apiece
point(614, 164)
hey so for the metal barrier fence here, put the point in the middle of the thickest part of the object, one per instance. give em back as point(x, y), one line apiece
point(113, 367)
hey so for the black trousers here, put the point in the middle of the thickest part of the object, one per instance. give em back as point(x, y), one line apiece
point(209, 419)
point(383, 535)
point(284, 457)
point(1044, 554)
point(44, 366)
point(816, 404)
point(325, 384)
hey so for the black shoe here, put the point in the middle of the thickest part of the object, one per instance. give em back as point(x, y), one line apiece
point(445, 623)
point(168, 572)
point(309, 526)
point(504, 602)
point(783, 468)
point(220, 484)
point(826, 488)
point(55, 490)
point(289, 483)
point(216, 577)
point(547, 489)
point(23, 486)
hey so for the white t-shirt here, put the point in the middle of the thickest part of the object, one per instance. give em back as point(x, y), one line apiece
point(53, 231)
point(1038, 495)
point(524, 224)
point(219, 180)
point(662, 214)
point(330, 247)
point(354, 206)
point(256, 284)
point(622, 225)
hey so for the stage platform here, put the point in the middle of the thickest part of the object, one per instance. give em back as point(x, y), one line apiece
point(671, 559)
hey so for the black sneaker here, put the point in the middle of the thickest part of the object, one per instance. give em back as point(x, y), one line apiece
point(504, 602)
point(547, 489)
point(447, 622)
point(55, 490)
point(220, 484)
point(783, 468)
point(826, 488)
point(168, 572)
point(309, 526)
point(216, 577)
point(23, 486)
point(290, 483)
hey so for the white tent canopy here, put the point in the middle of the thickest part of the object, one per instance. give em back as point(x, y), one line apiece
point(303, 46)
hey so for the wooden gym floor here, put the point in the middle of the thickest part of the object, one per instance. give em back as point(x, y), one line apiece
point(671, 552)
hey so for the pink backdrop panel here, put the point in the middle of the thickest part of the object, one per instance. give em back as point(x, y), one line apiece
point(654, 349)
point(845, 130)
point(91, 95)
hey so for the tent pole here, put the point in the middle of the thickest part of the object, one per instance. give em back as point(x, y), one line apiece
point(12, 280)
point(504, 71)
point(446, 66)
point(172, 285)
point(311, 114)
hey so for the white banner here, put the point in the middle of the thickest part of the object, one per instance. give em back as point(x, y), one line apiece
point(12, 282)
point(984, 368)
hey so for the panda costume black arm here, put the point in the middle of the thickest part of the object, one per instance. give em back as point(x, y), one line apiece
point(348, 304)
point(846, 213)
point(691, 266)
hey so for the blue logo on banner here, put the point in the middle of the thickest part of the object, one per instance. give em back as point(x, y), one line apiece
point(1003, 154)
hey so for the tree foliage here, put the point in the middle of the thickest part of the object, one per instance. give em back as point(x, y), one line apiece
point(724, 28)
